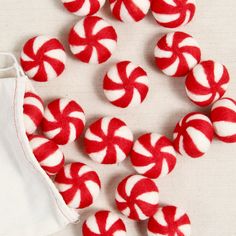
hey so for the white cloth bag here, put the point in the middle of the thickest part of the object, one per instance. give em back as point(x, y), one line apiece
point(30, 205)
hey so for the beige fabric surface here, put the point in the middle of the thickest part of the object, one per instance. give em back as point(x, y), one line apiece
point(206, 188)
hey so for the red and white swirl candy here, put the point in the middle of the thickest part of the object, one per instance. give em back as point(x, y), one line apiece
point(207, 83)
point(83, 7)
point(126, 85)
point(104, 223)
point(193, 135)
point(33, 111)
point(153, 155)
point(108, 140)
point(43, 58)
point(131, 10)
point(92, 40)
point(78, 184)
point(173, 13)
point(137, 197)
point(169, 220)
point(47, 153)
point(223, 117)
point(177, 53)
point(63, 121)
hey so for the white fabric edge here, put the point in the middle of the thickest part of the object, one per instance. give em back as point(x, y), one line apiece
point(70, 215)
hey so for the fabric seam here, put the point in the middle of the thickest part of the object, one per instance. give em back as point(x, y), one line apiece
point(16, 121)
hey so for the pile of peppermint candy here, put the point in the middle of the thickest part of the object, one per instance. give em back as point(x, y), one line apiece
point(108, 140)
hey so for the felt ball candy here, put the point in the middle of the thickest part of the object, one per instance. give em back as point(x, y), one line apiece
point(33, 111)
point(137, 197)
point(207, 83)
point(47, 153)
point(43, 58)
point(126, 85)
point(153, 155)
point(63, 121)
point(92, 40)
point(104, 223)
point(177, 53)
point(169, 221)
point(83, 7)
point(223, 117)
point(130, 10)
point(193, 135)
point(78, 184)
point(108, 140)
point(173, 13)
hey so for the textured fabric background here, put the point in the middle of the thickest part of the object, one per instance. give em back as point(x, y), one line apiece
point(206, 187)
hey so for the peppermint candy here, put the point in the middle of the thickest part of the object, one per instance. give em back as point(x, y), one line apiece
point(193, 135)
point(83, 7)
point(137, 197)
point(169, 220)
point(126, 85)
point(47, 153)
point(223, 117)
point(92, 40)
point(78, 184)
point(33, 111)
point(173, 13)
point(104, 223)
point(129, 11)
point(63, 121)
point(207, 83)
point(43, 58)
point(108, 140)
point(153, 155)
point(177, 53)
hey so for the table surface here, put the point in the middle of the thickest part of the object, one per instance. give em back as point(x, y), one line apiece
point(204, 187)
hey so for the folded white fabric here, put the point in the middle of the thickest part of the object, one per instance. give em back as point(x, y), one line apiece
point(30, 205)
